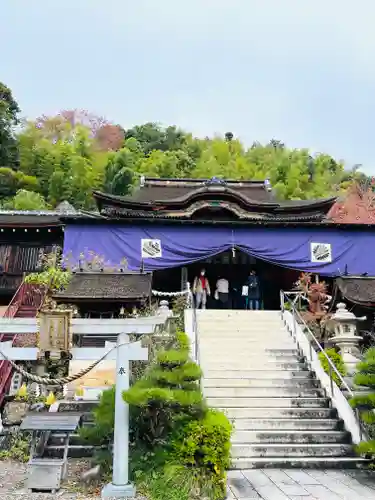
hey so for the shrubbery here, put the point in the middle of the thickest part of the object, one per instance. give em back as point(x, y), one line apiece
point(179, 448)
point(366, 402)
point(337, 360)
point(205, 445)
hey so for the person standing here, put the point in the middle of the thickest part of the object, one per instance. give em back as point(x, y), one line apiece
point(201, 289)
point(222, 292)
point(252, 289)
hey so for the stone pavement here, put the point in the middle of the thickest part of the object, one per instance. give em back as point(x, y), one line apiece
point(297, 484)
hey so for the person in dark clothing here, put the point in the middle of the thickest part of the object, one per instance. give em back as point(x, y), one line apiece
point(252, 289)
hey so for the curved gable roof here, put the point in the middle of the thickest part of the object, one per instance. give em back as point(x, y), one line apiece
point(166, 195)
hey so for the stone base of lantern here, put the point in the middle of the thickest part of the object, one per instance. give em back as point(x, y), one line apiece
point(349, 351)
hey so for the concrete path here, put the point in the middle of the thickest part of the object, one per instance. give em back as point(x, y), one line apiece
point(297, 484)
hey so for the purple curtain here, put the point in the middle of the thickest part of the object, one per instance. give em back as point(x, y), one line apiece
point(288, 247)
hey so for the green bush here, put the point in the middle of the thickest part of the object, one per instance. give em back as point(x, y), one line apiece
point(17, 447)
point(205, 445)
point(104, 417)
point(338, 362)
point(178, 308)
point(365, 403)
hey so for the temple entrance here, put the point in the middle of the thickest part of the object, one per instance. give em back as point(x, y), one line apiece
point(234, 266)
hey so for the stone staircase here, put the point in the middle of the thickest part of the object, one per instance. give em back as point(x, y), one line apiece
point(77, 447)
point(253, 370)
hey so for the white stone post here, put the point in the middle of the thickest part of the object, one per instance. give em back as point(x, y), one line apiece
point(120, 486)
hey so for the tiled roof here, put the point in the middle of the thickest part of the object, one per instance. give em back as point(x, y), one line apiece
point(36, 218)
point(107, 286)
point(175, 189)
point(358, 289)
point(118, 212)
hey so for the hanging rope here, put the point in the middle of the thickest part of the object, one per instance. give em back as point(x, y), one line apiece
point(169, 294)
point(55, 381)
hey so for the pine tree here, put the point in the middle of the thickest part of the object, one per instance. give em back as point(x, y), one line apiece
point(168, 393)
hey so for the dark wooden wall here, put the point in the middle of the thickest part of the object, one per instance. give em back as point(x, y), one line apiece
point(22, 252)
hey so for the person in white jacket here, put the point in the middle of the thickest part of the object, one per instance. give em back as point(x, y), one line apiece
point(222, 292)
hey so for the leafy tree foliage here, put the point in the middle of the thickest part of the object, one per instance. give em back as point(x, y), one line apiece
point(9, 111)
point(65, 157)
point(366, 403)
point(119, 172)
point(152, 136)
point(27, 200)
point(66, 162)
point(11, 181)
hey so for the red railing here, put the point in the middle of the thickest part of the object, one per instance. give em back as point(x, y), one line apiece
point(30, 296)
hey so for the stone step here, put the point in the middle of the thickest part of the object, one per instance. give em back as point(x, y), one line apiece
point(265, 339)
point(254, 322)
point(250, 345)
point(75, 451)
point(291, 451)
point(273, 402)
point(260, 374)
point(263, 392)
point(243, 364)
point(301, 414)
point(240, 320)
point(287, 346)
point(225, 332)
point(204, 314)
point(246, 341)
point(221, 326)
point(290, 424)
point(297, 463)
point(289, 437)
point(223, 357)
point(260, 382)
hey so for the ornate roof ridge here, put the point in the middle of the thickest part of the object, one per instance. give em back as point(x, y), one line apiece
point(198, 181)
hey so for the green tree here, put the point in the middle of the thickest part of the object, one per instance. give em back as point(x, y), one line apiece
point(11, 181)
point(28, 200)
point(66, 162)
point(9, 111)
point(153, 136)
point(119, 172)
point(168, 392)
point(172, 164)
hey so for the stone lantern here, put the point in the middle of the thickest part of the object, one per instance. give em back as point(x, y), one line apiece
point(163, 308)
point(345, 337)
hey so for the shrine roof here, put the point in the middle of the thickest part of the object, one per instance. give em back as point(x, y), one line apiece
point(161, 189)
point(357, 289)
point(20, 218)
point(106, 286)
point(182, 198)
point(36, 218)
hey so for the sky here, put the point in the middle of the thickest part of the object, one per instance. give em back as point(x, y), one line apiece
point(300, 71)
